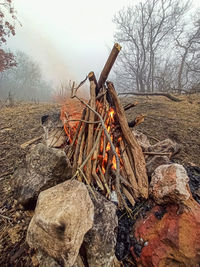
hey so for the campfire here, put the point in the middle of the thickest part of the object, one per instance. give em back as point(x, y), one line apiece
point(100, 145)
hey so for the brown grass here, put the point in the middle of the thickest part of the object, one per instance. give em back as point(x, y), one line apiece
point(164, 118)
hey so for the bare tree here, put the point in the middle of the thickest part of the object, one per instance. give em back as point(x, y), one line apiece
point(188, 43)
point(146, 31)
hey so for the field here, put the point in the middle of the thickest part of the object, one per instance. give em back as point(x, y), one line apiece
point(164, 119)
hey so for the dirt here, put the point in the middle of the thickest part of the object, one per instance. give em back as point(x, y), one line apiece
point(164, 119)
point(179, 121)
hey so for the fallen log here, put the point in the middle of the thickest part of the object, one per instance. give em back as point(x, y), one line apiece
point(173, 98)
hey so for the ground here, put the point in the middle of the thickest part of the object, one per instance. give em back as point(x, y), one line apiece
point(164, 119)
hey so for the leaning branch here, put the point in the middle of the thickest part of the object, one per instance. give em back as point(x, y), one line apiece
point(173, 98)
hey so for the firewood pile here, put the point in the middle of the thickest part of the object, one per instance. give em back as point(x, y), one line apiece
point(101, 147)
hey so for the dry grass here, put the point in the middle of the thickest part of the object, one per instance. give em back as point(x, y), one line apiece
point(179, 121)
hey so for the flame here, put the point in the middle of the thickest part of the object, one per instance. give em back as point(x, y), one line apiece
point(72, 111)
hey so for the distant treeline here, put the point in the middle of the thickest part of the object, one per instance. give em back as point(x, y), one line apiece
point(24, 81)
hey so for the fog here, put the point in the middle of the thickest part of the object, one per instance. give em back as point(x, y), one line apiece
point(67, 38)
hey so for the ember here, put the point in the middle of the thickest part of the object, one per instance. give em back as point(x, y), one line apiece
point(103, 151)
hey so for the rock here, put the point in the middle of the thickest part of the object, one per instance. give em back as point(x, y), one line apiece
point(44, 168)
point(64, 213)
point(194, 183)
point(165, 146)
point(169, 184)
point(55, 135)
point(142, 140)
point(100, 241)
point(155, 162)
point(45, 260)
point(169, 239)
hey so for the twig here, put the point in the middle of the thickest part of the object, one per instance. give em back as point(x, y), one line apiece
point(89, 122)
point(157, 153)
point(5, 217)
point(30, 142)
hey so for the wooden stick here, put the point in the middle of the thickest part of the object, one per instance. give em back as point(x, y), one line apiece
point(157, 153)
point(108, 66)
point(80, 157)
point(92, 78)
point(130, 105)
point(70, 150)
point(129, 196)
point(91, 128)
point(136, 151)
point(104, 181)
point(77, 150)
point(30, 142)
point(129, 171)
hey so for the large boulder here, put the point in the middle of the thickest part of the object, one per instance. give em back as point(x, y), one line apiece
point(169, 184)
point(44, 168)
point(63, 215)
point(169, 239)
point(100, 241)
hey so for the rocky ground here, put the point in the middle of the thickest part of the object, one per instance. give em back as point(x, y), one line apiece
point(164, 118)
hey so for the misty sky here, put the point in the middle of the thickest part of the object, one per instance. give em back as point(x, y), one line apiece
point(67, 38)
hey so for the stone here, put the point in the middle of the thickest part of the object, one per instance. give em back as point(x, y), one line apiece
point(55, 135)
point(45, 260)
point(63, 215)
point(44, 168)
point(169, 239)
point(142, 140)
point(154, 162)
point(169, 184)
point(100, 241)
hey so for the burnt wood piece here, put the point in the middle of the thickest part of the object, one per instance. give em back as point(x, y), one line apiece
point(108, 66)
point(130, 105)
point(129, 138)
point(139, 119)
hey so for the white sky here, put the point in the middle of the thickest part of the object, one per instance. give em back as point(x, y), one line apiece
point(68, 38)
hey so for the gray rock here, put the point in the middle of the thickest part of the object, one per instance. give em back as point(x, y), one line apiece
point(64, 213)
point(100, 241)
point(55, 135)
point(44, 168)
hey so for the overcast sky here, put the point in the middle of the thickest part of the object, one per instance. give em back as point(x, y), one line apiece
point(67, 38)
